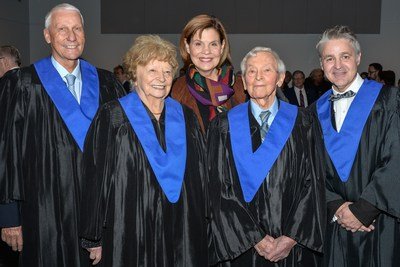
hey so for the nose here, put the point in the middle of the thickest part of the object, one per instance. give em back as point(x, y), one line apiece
point(206, 49)
point(258, 75)
point(338, 63)
point(161, 76)
point(71, 36)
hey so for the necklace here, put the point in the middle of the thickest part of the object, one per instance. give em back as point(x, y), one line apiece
point(156, 113)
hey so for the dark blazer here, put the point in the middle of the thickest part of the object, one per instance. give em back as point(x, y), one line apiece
point(291, 96)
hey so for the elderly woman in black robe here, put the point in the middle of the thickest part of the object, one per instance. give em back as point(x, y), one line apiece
point(267, 185)
point(144, 191)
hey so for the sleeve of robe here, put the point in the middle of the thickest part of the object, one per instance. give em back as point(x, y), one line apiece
point(306, 209)
point(233, 229)
point(384, 187)
point(12, 141)
point(98, 182)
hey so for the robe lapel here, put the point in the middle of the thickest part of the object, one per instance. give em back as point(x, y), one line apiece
point(76, 117)
point(169, 166)
point(342, 146)
point(253, 168)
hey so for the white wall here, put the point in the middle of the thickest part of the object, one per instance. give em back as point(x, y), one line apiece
point(297, 50)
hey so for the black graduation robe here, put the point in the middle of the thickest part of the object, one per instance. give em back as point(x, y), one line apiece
point(375, 178)
point(290, 202)
point(44, 172)
point(124, 205)
point(9, 212)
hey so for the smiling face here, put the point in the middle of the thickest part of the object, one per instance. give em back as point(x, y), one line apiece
point(154, 80)
point(339, 62)
point(66, 36)
point(205, 51)
point(262, 78)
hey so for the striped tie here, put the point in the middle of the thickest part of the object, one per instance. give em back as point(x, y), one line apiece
point(264, 115)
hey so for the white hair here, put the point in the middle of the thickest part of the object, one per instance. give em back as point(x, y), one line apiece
point(253, 52)
point(63, 6)
point(339, 32)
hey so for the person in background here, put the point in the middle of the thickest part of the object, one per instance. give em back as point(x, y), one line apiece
point(300, 95)
point(364, 75)
point(53, 103)
point(317, 83)
point(360, 124)
point(10, 61)
point(209, 86)
point(119, 72)
point(145, 171)
point(373, 71)
point(266, 182)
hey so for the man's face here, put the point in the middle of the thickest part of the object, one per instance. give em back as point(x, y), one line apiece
point(298, 80)
point(66, 37)
point(262, 77)
point(340, 61)
point(372, 73)
point(119, 73)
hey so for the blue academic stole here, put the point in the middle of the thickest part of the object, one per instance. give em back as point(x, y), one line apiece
point(169, 166)
point(253, 168)
point(342, 146)
point(76, 117)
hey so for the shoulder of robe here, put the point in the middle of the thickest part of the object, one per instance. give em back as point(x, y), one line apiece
point(113, 110)
point(388, 99)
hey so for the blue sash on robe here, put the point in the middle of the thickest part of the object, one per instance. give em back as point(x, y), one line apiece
point(76, 117)
point(253, 168)
point(169, 166)
point(342, 146)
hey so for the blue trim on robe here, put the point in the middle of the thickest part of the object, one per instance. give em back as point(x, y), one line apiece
point(77, 117)
point(253, 168)
point(169, 166)
point(9, 215)
point(342, 146)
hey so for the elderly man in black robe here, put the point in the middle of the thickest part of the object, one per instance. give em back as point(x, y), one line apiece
point(266, 184)
point(360, 127)
point(52, 106)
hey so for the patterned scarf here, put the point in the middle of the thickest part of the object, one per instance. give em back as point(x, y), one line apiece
point(211, 93)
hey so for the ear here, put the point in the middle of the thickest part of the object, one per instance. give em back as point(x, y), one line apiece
point(222, 46)
point(244, 82)
point(187, 46)
point(280, 79)
point(358, 59)
point(320, 63)
point(46, 34)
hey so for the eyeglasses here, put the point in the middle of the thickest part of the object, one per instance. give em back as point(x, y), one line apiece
point(372, 72)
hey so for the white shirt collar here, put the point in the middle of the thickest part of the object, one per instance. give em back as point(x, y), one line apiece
point(354, 86)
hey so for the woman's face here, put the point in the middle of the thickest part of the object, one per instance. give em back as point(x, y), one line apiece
point(154, 80)
point(205, 51)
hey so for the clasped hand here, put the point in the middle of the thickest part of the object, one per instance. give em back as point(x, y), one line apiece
point(347, 220)
point(13, 237)
point(275, 249)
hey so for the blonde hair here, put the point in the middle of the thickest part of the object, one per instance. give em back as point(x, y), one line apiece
point(199, 24)
point(147, 48)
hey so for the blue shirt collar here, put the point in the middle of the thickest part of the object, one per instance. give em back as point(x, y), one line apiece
point(256, 110)
point(62, 71)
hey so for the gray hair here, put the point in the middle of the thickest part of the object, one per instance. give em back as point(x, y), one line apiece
point(339, 32)
point(11, 52)
point(253, 52)
point(63, 6)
